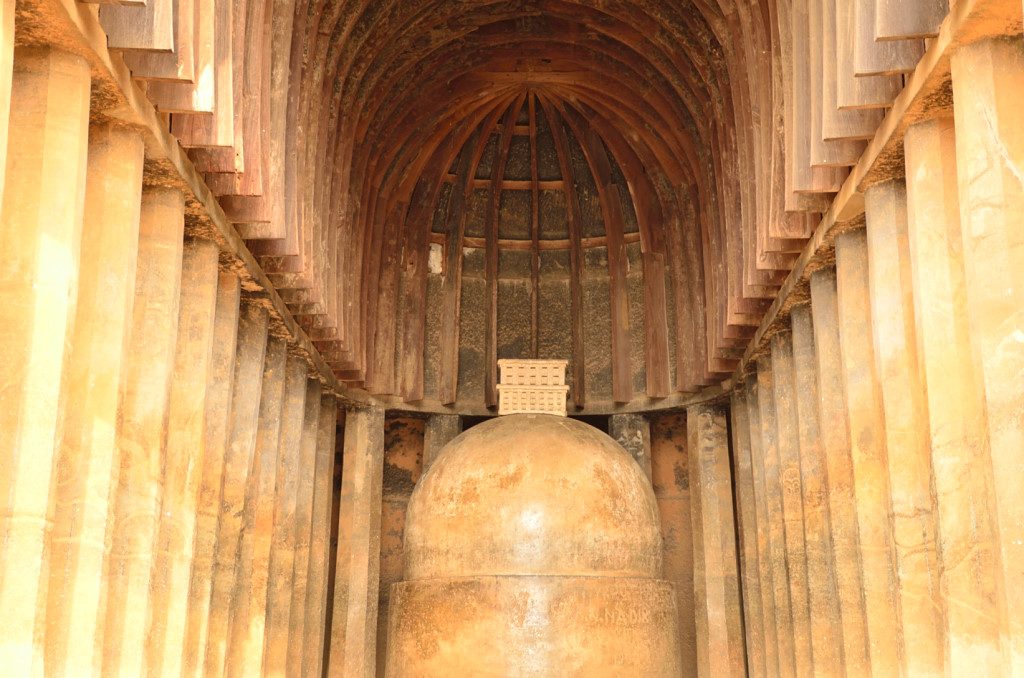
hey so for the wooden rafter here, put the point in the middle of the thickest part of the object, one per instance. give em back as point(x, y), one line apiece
point(575, 225)
point(534, 233)
point(451, 287)
point(491, 252)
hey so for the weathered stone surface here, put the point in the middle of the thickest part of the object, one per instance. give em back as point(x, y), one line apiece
point(605, 528)
point(353, 643)
point(987, 81)
point(283, 544)
point(245, 406)
point(824, 602)
point(41, 225)
point(720, 648)
point(568, 626)
point(868, 452)
point(747, 529)
point(88, 449)
point(671, 481)
point(903, 397)
point(775, 661)
point(316, 593)
point(775, 522)
point(305, 526)
point(215, 439)
point(182, 468)
point(633, 432)
point(956, 404)
point(440, 430)
point(533, 594)
point(835, 443)
point(6, 75)
point(249, 596)
point(788, 450)
point(403, 465)
point(142, 432)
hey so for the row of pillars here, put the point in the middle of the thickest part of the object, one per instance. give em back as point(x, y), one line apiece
point(879, 444)
point(165, 461)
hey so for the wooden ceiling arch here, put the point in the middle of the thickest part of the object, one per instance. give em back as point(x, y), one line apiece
point(338, 122)
point(641, 100)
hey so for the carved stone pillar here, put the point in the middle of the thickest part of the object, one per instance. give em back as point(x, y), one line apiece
point(40, 225)
point(720, 649)
point(88, 449)
point(245, 406)
point(172, 566)
point(142, 434)
point(353, 645)
point(956, 403)
point(987, 81)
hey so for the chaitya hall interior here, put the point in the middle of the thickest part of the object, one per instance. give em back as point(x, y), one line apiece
point(547, 338)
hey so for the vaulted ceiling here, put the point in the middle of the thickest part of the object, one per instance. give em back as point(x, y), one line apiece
point(345, 139)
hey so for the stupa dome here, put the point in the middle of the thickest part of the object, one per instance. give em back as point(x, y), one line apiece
point(533, 494)
point(532, 548)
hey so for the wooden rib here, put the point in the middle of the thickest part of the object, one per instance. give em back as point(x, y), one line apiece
point(652, 237)
point(380, 369)
point(491, 268)
point(534, 234)
point(611, 209)
point(451, 286)
point(575, 221)
point(415, 253)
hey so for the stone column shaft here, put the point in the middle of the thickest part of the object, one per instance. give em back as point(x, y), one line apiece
point(716, 582)
point(826, 627)
point(92, 378)
point(956, 404)
point(142, 434)
point(440, 430)
point(172, 567)
point(747, 519)
point(215, 437)
point(834, 437)
point(282, 554)
point(353, 646)
point(765, 574)
point(987, 81)
point(906, 430)
point(633, 431)
point(304, 527)
point(788, 437)
point(671, 479)
point(868, 450)
point(789, 663)
point(314, 631)
point(245, 406)
point(6, 74)
point(41, 226)
point(249, 597)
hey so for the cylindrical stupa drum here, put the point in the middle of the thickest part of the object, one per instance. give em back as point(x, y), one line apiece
point(532, 548)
